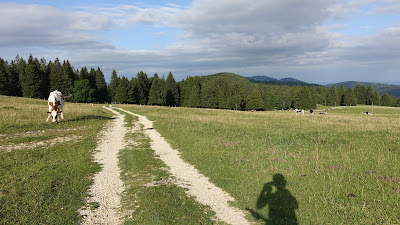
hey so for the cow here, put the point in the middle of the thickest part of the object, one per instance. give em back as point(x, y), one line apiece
point(56, 103)
point(298, 111)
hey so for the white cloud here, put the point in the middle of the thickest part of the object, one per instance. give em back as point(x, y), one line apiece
point(244, 36)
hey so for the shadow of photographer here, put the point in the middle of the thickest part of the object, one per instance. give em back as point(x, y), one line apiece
point(281, 203)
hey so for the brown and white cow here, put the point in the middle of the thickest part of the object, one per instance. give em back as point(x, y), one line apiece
point(56, 104)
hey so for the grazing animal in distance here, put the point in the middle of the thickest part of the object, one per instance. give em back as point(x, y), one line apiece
point(298, 111)
point(366, 113)
point(56, 103)
point(311, 111)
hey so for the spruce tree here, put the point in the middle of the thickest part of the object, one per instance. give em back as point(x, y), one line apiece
point(341, 91)
point(32, 81)
point(208, 96)
point(45, 71)
point(69, 72)
point(58, 79)
point(122, 91)
point(332, 98)
point(360, 93)
point(195, 94)
point(349, 98)
point(82, 92)
point(17, 74)
point(143, 87)
point(112, 87)
point(156, 96)
point(369, 96)
point(4, 76)
point(171, 91)
point(101, 93)
point(92, 78)
point(83, 74)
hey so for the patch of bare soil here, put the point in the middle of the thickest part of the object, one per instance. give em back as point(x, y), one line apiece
point(188, 177)
point(39, 144)
point(104, 204)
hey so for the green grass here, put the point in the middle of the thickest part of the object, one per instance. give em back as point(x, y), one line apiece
point(46, 185)
point(150, 195)
point(341, 168)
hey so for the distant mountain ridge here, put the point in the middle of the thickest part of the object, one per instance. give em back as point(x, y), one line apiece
point(286, 81)
point(381, 88)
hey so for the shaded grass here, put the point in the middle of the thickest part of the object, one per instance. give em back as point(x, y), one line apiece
point(46, 185)
point(335, 165)
point(150, 196)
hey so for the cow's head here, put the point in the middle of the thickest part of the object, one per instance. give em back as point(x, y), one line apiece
point(54, 111)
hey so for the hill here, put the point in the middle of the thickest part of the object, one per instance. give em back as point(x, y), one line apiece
point(381, 88)
point(285, 81)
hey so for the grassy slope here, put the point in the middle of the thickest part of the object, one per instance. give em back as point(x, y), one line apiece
point(341, 168)
point(46, 185)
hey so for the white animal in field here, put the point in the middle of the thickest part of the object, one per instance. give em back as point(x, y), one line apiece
point(56, 104)
point(298, 111)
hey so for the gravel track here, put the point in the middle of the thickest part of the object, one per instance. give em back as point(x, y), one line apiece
point(107, 186)
point(188, 177)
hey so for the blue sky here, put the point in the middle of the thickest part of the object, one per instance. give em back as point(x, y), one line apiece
point(315, 41)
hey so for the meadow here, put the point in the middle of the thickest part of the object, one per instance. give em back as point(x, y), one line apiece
point(46, 183)
point(338, 168)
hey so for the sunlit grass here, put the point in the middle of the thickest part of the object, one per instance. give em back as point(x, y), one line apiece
point(342, 167)
point(47, 184)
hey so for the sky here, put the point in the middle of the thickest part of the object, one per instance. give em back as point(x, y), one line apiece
point(315, 41)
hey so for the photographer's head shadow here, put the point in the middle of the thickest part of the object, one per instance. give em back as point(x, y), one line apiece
point(281, 203)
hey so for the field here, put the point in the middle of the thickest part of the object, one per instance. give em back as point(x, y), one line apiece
point(45, 168)
point(338, 168)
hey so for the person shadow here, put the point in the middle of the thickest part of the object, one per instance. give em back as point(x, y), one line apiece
point(281, 203)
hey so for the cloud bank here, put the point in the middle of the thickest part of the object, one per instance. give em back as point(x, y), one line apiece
point(277, 38)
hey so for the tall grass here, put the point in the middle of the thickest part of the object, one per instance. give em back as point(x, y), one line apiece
point(46, 185)
point(342, 167)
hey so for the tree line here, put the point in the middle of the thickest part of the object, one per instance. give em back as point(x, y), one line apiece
point(36, 78)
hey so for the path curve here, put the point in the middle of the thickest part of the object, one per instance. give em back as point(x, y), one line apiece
point(197, 184)
point(107, 186)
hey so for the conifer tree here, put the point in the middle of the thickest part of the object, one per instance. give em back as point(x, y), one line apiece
point(349, 98)
point(101, 93)
point(195, 94)
point(92, 78)
point(58, 79)
point(112, 87)
point(69, 72)
point(4, 75)
point(332, 98)
point(143, 87)
point(341, 91)
point(17, 74)
point(82, 92)
point(133, 94)
point(84, 74)
point(122, 91)
point(369, 95)
point(360, 92)
point(171, 91)
point(156, 96)
point(32, 80)
point(45, 71)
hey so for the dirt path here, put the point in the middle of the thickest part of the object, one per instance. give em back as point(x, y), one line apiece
point(107, 186)
point(199, 186)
